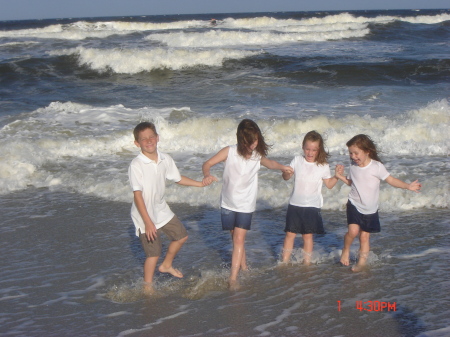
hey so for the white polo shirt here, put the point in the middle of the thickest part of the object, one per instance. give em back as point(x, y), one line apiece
point(308, 182)
point(240, 181)
point(149, 176)
point(365, 188)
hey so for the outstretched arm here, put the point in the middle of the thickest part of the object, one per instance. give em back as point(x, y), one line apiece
point(274, 165)
point(414, 186)
point(185, 181)
point(150, 228)
point(220, 156)
point(339, 174)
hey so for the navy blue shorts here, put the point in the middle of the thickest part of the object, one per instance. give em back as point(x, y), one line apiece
point(304, 220)
point(369, 223)
point(232, 219)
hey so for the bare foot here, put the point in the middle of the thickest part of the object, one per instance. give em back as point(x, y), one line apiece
point(358, 268)
point(172, 271)
point(233, 285)
point(307, 258)
point(148, 289)
point(345, 258)
point(361, 262)
point(286, 255)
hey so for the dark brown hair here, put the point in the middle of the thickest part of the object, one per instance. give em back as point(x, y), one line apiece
point(143, 126)
point(366, 144)
point(314, 136)
point(247, 133)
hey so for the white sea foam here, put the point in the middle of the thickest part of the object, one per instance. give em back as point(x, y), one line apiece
point(424, 253)
point(18, 44)
point(219, 38)
point(81, 30)
point(88, 149)
point(58, 32)
point(132, 61)
point(329, 20)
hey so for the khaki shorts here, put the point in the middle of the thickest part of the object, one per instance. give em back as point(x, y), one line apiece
point(174, 230)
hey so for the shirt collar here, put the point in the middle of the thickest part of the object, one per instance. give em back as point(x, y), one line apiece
point(147, 160)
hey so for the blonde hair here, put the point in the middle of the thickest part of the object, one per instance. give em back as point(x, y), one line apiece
point(314, 136)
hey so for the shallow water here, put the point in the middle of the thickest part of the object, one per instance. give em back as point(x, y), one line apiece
point(71, 91)
point(64, 277)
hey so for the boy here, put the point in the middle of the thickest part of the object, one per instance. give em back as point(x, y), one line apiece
point(150, 213)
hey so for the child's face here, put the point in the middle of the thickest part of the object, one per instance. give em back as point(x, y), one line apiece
point(253, 146)
point(311, 151)
point(360, 157)
point(147, 141)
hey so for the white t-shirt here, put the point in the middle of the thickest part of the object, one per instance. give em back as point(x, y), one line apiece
point(308, 182)
point(365, 188)
point(149, 176)
point(240, 181)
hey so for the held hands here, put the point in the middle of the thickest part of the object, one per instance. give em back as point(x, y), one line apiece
point(339, 171)
point(287, 170)
point(208, 180)
point(415, 186)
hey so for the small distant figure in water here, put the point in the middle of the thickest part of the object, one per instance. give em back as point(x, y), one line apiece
point(240, 186)
point(150, 213)
point(303, 216)
point(213, 22)
point(364, 177)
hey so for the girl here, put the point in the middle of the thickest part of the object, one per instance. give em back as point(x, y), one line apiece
point(240, 184)
point(303, 214)
point(364, 177)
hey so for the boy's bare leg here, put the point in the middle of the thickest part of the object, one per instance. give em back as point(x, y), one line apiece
point(364, 249)
point(288, 246)
point(238, 254)
point(172, 251)
point(353, 231)
point(307, 248)
point(149, 271)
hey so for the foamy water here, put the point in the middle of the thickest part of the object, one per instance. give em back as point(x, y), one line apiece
point(71, 93)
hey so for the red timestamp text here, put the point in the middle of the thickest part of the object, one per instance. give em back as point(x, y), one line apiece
point(373, 306)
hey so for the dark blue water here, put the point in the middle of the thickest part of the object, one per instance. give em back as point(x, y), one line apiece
point(71, 91)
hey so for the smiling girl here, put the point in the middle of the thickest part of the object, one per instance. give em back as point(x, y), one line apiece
point(364, 177)
point(240, 185)
point(303, 216)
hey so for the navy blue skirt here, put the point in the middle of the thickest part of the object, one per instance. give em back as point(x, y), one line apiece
point(369, 223)
point(304, 220)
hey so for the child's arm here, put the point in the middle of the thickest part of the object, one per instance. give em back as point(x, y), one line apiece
point(274, 165)
point(414, 186)
point(220, 156)
point(339, 174)
point(185, 181)
point(150, 228)
point(330, 182)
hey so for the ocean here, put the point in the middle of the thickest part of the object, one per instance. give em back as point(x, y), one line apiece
point(72, 90)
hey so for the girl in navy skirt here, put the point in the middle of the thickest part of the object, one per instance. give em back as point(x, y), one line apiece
point(303, 216)
point(366, 172)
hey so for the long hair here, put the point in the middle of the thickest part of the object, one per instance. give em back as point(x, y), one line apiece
point(314, 136)
point(143, 126)
point(366, 144)
point(247, 133)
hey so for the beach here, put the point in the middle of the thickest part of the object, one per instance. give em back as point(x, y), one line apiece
point(71, 92)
